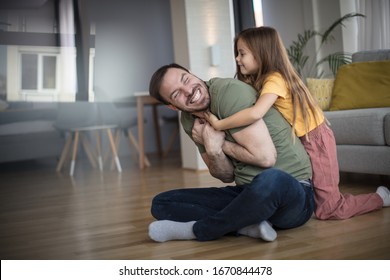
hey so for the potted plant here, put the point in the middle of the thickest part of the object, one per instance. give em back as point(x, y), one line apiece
point(310, 68)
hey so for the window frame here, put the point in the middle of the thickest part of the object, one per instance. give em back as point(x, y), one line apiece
point(40, 90)
point(66, 74)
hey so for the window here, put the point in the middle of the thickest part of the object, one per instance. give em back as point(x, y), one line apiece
point(29, 71)
point(258, 10)
point(49, 70)
point(38, 51)
point(38, 76)
point(44, 73)
point(39, 73)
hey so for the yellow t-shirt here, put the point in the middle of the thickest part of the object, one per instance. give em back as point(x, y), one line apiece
point(276, 84)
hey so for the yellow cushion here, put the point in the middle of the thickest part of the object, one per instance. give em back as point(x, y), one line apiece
point(361, 85)
point(321, 89)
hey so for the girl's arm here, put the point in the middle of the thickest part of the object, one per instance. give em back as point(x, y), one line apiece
point(246, 116)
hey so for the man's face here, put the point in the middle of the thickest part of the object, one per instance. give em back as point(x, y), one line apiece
point(184, 91)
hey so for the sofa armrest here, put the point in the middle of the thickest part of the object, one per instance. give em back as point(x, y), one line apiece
point(23, 115)
point(372, 55)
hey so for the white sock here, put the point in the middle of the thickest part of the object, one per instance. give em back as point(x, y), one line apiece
point(384, 193)
point(263, 230)
point(166, 230)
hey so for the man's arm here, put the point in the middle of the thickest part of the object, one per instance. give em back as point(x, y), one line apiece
point(219, 165)
point(253, 143)
point(254, 146)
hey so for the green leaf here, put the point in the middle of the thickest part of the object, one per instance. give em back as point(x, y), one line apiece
point(336, 60)
point(327, 35)
point(302, 61)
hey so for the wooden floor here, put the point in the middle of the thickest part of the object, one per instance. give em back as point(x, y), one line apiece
point(47, 215)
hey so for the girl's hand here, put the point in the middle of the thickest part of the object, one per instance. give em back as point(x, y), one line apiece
point(211, 119)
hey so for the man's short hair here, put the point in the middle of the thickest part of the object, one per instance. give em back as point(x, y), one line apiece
point(155, 81)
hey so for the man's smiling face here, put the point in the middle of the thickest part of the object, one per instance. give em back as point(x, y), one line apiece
point(184, 91)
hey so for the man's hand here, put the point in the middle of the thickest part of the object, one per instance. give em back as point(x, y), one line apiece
point(197, 131)
point(203, 133)
point(219, 165)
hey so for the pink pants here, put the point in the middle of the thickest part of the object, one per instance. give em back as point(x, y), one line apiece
point(331, 204)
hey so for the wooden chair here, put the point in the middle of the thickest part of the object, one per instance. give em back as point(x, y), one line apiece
point(78, 120)
point(174, 133)
point(125, 127)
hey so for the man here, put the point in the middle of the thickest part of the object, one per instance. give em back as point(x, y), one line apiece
point(270, 168)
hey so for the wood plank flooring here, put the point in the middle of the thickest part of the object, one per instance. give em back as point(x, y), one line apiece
point(49, 215)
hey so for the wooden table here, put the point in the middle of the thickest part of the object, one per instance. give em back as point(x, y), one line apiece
point(143, 99)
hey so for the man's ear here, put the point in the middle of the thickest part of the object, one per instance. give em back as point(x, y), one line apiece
point(172, 107)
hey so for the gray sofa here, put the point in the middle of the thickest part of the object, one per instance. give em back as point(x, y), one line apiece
point(363, 135)
point(37, 130)
point(27, 132)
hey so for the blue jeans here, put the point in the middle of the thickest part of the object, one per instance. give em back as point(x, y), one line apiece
point(273, 195)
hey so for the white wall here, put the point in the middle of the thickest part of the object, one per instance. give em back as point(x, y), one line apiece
point(292, 17)
point(133, 39)
point(206, 23)
point(210, 22)
point(289, 17)
point(350, 32)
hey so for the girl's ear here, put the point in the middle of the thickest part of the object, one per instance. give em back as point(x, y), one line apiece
point(172, 107)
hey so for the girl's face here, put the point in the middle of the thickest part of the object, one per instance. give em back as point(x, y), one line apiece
point(245, 59)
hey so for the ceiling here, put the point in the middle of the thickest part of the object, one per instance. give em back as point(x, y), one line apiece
point(21, 4)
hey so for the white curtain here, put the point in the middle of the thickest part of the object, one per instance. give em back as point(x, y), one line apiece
point(374, 30)
point(68, 52)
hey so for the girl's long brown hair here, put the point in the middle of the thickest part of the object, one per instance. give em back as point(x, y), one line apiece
point(270, 54)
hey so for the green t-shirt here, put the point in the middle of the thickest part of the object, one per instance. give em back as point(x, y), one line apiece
point(229, 96)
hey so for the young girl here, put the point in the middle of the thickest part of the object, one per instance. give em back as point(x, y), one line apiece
point(262, 62)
